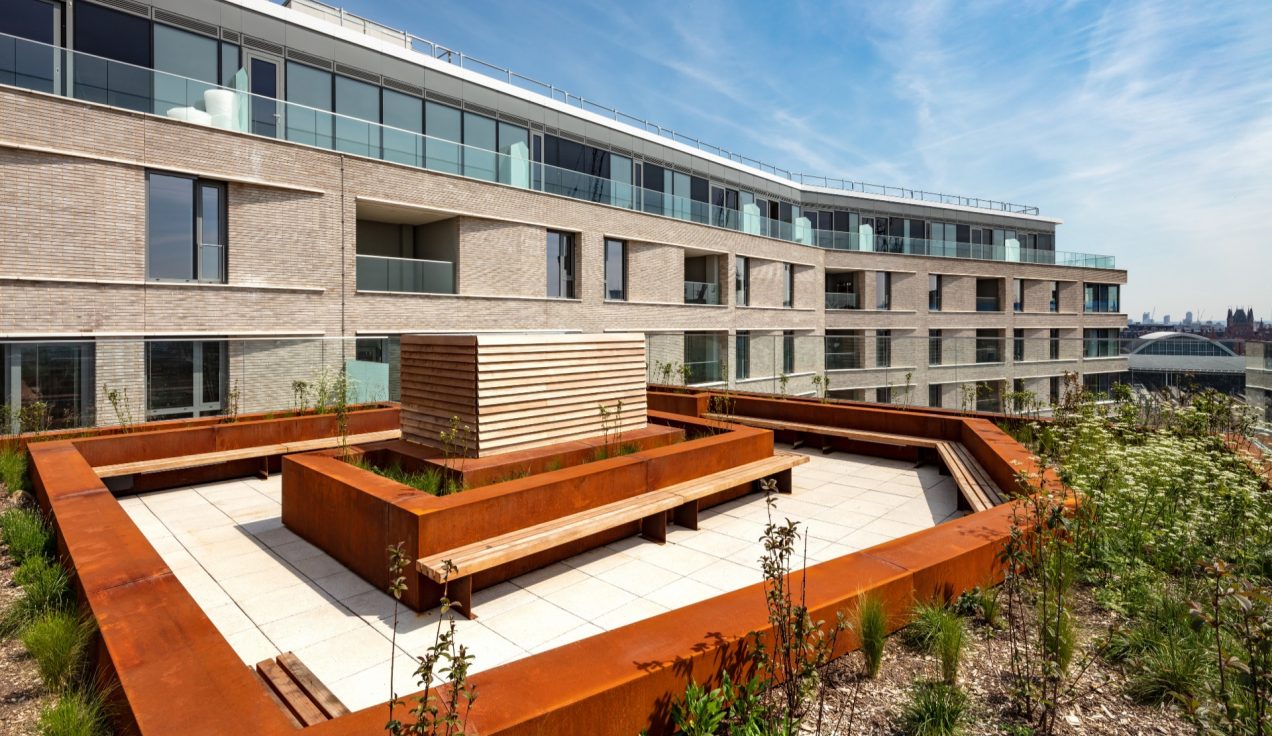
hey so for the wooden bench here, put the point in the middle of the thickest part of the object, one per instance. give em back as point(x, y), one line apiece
point(181, 462)
point(650, 509)
point(298, 692)
point(976, 487)
point(821, 430)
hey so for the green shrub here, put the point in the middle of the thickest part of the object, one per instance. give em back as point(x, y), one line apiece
point(872, 629)
point(25, 534)
point(13, 468)
point(989, 607)
point(57, 641)
point(46, 589)
point(949, 645)
point(935, 709)
point(700, 713)
point(76, 713)
point(32, 569)
point(922, 631)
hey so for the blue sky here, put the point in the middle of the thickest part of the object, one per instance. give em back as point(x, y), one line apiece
point(1146, 126)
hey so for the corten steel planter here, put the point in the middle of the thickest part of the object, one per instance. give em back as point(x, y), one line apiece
point(173, 671)
point(354, 515)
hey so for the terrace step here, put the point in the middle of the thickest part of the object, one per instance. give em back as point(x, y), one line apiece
point(649, 508)
point(974, 484)
point(181, 462)
point(296, 690)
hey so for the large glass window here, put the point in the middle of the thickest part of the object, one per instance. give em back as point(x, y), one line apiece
point(843, 349)
point(702, 356)
point(742, 282)
point(883, 290)
point(1018, 344)
point(479, 147)
point(514, 158)
point(883, 348)
point(30, 65)
point(989, 346)
point(122, 77)
point(189, 56)
point(185, 378)
point(1053, 345)
point(1100, 343)
point(987, 295)
point(311, 88)
point(49, 385)
point(444, 126)
point(561, 264)
point(185, 228)
point(358, 100)
point(742, 355)
point(404, 121)
point(1102, 298)
point(615, 270)
point(934, 347)
point(934, 292)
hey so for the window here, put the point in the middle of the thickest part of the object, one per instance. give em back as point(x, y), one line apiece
point(185, 379)
point(934, 347)
point(1018, 399)
point(185, 228)
point(480, 147)
point(308, 87)
point(788, 285)
point(371, 349)
point(883, 348)
point(934, 395)
point(1018, 290)
point(115, 37)
point(987, 295)
point(1100, 343)
point(403, 120)
point(187, 56)
point(1054, 304)
point(934, 292)
point(1018, 345)
point(443, 126)
point(788, 351)
point(989, 346)
point(1102, 298)
point(883, 290)
point(1102, 384)
point(25, 64)
point(60, 375)
point(358, 101)
point(1053, 390)
point(702, 357)
point(615, 270)
point(742, 355)
point(742, 282)
point(883, 395)
point(561, 264)
point(1053, 345)
point(842, 289)
point(843, 349)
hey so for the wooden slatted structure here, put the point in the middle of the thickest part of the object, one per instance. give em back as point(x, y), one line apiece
point(974, 484)
point(181, 462)
point(519, 391)
point(298, 692)
point(649, 508)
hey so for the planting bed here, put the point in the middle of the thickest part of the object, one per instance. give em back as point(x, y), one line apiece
point(621, 680)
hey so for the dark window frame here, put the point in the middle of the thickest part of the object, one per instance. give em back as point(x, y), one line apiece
point(198, 185)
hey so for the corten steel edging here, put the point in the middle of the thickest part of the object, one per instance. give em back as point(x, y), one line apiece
point(675, 402)
point(375, 512)
point(624, 681)
point(582, 688)
point(172, 669)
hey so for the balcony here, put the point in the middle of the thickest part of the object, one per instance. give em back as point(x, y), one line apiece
point(95, 79)
point(698, 292)
point(988, 304)
point(840, 300)
point(405, 275)
point(705, 371)
point(837, 361)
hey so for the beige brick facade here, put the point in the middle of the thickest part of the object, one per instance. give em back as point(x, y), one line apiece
point(73, 262)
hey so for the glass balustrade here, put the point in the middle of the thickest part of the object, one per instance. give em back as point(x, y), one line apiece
point(839, 300)
point(411, 275)
point(37, 66)
point(698, 292)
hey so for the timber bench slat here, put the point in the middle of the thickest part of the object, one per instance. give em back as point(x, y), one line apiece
point(979, 475)
point(969, 476)
point(861, 435)
point(298, 692)
point(182, 462)
point(649, 508)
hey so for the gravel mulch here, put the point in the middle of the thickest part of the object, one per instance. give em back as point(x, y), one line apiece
point(21, 694)
point(1099, 705)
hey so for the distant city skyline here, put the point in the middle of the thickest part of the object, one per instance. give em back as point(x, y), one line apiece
point(1146, 126)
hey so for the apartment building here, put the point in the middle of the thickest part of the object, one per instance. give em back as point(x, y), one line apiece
point(198, 197)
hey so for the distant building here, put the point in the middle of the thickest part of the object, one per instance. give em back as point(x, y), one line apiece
point(1166, 320)
point(1162, 359)
point(1188, 318)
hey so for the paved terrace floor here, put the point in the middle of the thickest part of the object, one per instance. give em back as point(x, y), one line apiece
point(268, 591)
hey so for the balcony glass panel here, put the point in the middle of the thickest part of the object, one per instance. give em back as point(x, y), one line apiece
point(697, 292)
point(839, 300)
point(409, 275)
